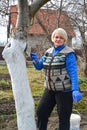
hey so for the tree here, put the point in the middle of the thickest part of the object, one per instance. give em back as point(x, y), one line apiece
point(3, 20)
point(13, 54)
point(78, 16)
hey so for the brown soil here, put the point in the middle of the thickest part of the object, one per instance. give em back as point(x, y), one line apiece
point(52, 125)
point(7, 121)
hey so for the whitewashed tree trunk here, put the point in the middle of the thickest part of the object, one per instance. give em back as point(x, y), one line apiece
point(13, 54)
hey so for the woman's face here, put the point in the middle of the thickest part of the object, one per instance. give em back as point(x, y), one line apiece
point(58, 40)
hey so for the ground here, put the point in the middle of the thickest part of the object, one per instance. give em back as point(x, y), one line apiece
point(52, 125)
point(8, 117)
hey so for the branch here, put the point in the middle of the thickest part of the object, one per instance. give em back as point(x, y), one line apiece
point(35, 6)
point(60, 11)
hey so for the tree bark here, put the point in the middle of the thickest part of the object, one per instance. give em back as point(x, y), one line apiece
point(84, 48)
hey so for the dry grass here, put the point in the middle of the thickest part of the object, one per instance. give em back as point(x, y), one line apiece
point(36, 80)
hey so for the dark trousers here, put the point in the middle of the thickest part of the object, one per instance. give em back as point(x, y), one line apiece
point(64, 108)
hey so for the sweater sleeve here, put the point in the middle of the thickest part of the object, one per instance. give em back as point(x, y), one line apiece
point(71, 67)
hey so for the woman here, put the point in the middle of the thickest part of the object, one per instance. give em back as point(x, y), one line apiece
point(61, 81)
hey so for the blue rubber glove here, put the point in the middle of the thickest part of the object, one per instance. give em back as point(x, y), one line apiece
point(77, 96)
point(34, 57)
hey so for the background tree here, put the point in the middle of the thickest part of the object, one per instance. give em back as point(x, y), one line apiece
point(77, 11)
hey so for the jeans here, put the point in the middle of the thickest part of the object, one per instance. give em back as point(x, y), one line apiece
point(64, 103)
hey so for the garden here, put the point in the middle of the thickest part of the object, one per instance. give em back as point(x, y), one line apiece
point(36, 80)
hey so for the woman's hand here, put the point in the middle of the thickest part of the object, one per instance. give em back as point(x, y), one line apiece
point(34, 57)
point(77, 95)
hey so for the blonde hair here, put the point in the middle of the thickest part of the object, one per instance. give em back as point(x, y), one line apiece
point(61, 32)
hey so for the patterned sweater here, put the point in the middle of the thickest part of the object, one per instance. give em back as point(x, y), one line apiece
point(67, 59)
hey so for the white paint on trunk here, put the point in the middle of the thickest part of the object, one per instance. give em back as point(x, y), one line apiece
point(24, 103)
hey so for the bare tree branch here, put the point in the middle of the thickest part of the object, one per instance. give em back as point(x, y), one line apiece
point(35, 6)
point(4, 5)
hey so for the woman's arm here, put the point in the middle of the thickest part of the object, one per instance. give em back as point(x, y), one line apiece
point(71, 67)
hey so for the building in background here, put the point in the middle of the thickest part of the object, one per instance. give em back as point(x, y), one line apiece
point(43, 24)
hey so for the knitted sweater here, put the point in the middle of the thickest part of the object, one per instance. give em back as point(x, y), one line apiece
point(70, 64)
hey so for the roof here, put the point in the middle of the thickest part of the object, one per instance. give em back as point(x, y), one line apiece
point(45, 21)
